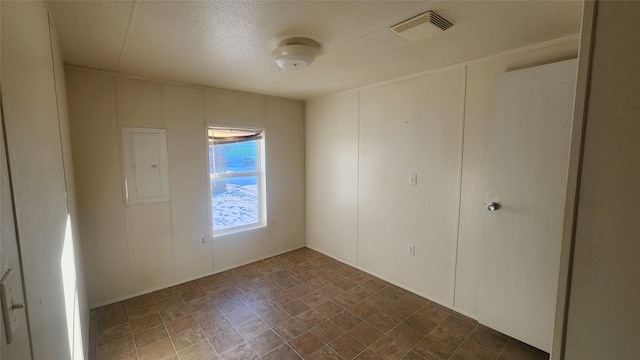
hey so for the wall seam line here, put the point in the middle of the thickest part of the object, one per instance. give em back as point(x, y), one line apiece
point(460, 169)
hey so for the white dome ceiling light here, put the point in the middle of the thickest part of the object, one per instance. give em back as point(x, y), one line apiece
point(296, 53)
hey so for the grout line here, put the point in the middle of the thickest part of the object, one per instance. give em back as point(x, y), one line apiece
point(241, 293)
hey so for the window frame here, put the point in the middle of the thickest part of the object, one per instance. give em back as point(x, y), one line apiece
point(260, 173)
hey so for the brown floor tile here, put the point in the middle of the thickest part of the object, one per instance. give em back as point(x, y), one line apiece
point(412, 355)
point(214, 327)
point(330, 291)
point(310, 318)
point(164, 293)
point(368, 355)
point(305, 344)
point(440, 343)
point(150, 336)
point(347, 346)
point(392, 293)
point(459, 325)
point(366, 333)
point(142, 311)
point(169, 301)
point(229, 305)
point(275, 317)
point(299, 298)
point(283, 352)
point(420, 323)
point(200, 303)
point(108, 321)
point(470, 350)
point(515, 350)
point(383, 321)
point(241, 315)
point(434, 312)
point(345, 284)
point(146, 322)
point(141, 300)
point(406, 335)
point(390, 349)
point(265, 342)
point(115, 349)
point(411, 302)
point(488, 338)
point(226, 340)
point(188, 337)
point(314, 299)
point(174, 312)
point(242, 351)
point(199, 351)
point(329, 309)
point(282, 297)
point(207, 314)
point(114, 333)
point(346, 320)
point(253, 328)
point(363, 310)
point(327, 331)
point(180, 325)
point(160, 349)
point(262, 306)
point(295, 307)
point(325, 353)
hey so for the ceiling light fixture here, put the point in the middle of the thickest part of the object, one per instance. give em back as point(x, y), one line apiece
point(296, 53)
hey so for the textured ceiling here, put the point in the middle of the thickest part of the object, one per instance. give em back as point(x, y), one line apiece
point(228, 44)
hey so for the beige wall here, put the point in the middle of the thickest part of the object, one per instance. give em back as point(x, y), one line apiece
point(42, 174)
point(139, 248)
point(361, 147)
point(603, 316)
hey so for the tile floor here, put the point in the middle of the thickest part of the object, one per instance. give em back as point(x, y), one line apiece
point(300, 305)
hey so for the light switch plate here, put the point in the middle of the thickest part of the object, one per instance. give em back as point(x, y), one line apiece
point(10, 309)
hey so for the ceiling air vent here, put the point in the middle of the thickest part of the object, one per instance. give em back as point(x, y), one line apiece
point(421, 26)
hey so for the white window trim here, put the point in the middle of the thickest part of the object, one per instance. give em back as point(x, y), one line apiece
point(262, 188)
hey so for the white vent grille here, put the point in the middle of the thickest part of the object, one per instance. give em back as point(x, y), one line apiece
point(422, 26)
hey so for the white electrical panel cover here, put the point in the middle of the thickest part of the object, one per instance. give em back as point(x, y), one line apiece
point(145, 165)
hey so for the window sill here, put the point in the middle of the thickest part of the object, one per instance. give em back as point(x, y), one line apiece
point(238, 230)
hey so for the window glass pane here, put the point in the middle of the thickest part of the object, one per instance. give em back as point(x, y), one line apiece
point(234, 201)
point(234, 158)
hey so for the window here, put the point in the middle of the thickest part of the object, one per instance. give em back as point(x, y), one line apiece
point(236, 171)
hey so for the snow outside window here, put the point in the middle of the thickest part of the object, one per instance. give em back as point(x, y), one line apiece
point(237, 179)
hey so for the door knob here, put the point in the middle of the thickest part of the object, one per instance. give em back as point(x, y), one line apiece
point(493, 206)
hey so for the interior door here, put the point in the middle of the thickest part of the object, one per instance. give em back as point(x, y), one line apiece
point(19, 348)
point(527, 176)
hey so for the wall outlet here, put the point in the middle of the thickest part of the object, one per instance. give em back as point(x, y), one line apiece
point(411, 250)
point(203, 240)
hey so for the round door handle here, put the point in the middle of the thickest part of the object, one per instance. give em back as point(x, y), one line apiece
point(493, 206)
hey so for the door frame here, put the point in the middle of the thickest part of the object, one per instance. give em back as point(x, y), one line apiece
point(589, 12)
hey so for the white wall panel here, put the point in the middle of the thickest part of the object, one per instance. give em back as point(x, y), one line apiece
point(224, 107)
point(411, 127)
point(603, 321)
point(184, 115)
point(285, 165)
point(331, 179)
point(139, 103)
point(151, 245)
point(95, 142)
point(34, 132)
point(172, 232)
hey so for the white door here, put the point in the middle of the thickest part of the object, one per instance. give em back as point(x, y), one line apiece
point(527, 167)
point(10, 260)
